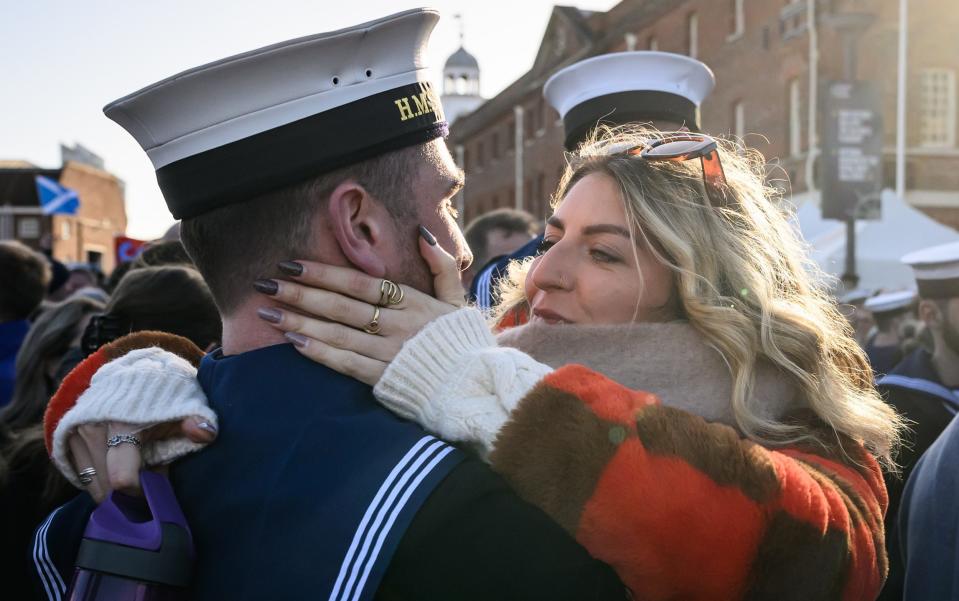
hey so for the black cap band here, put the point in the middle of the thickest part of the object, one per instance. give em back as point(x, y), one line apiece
point(302, 149)
point(947, 288)
point(627, 107)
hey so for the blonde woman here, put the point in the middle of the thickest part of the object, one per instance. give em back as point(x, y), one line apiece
point(683, 400)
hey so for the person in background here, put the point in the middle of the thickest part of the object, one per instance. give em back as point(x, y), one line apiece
point(163, 252)
point(79, 276)
point(644, 87)
point(26, 275)
point(922, 386)
point(929, 522)
point(891, 311)
point(495, 235)
point(29, 485)
point(172, 298)
point(852, 306)
point(167, 298)
point(158, 252)
point(59, 274)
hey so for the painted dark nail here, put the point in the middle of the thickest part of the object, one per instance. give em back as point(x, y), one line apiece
point(291, 268)
point(266, 286)
point(298, 339)
point(207, 426)
point(428, 236)
point(270, 315)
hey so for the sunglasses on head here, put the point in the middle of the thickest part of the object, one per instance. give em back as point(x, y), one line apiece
point(686, 146)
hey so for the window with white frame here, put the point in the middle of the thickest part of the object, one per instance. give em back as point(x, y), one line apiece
point(737, 20)
point(28, 228)
point(692, 30)
point(937, 108)
point(739, 120)
point(795, 118)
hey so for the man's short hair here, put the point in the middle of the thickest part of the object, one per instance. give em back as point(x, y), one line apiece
point(509, 220)
point(26, 274)
point(238, 243)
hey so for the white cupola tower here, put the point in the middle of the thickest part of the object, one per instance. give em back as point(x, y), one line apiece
point(461, 82)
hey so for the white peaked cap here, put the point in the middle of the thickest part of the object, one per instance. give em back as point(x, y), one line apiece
point(936, 270)
point(890, 301)
point(235, 128)
point(626, 87)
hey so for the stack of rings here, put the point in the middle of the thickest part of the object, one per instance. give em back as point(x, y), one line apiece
point(86, 475)
point(390, 294)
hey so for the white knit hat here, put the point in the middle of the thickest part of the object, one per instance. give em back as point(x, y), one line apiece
point(144, 387)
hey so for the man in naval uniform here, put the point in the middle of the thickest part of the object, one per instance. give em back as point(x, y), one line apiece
point(891, 311)
point(328, 147)
point(922, 387)
point(643, 87)
point(929, 522)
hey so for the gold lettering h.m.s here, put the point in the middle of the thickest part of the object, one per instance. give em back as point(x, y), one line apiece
point(422, 103)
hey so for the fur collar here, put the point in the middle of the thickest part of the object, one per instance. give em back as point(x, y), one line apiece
point(671, 360)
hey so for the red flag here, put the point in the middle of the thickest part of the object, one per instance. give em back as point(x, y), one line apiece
point(127, 249)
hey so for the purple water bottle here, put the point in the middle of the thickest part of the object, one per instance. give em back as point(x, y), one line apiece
point(135, 549)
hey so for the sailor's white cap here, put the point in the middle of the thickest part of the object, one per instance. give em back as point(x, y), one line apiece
point(628, 87)
point(856, 295)
point(236, 128)
point(936, 270)
point(890, 301)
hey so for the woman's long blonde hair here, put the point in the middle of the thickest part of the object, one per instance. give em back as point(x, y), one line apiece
point(743, 279)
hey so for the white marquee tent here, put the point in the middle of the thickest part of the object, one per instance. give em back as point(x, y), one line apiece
point(879, 244)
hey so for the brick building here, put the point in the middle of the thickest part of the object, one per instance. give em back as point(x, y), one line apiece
point(86, 237)
point(760, 53)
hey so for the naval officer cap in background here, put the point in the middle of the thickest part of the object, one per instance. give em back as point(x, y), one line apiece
point(661, 89)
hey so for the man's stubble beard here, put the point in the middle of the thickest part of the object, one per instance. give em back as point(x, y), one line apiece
point(413, 270)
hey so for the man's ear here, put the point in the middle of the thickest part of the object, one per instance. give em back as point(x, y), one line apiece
point(357, 223)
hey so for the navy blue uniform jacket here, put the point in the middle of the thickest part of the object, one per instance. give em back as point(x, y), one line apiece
point(914, 390)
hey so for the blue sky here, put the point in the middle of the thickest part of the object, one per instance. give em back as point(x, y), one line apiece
point(63, 61)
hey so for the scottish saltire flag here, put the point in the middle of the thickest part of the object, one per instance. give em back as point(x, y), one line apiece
point(55, 199)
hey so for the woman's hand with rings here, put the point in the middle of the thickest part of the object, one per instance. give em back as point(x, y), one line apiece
point(352, 322)
point(104, 466)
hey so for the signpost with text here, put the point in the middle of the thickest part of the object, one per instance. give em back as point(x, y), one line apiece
point(852, 151)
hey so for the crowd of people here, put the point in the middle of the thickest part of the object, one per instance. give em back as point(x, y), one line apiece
point(652, 395)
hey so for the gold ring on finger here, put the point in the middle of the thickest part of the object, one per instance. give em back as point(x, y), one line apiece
point(396, 295)
point(386, 287)
point(373, 327)
point(390, 293)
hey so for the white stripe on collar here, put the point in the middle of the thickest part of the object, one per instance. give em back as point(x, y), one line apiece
point(357, 566)
point(52, 581)
point(921, 385)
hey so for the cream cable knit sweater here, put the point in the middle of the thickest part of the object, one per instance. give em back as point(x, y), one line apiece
point(454, 380)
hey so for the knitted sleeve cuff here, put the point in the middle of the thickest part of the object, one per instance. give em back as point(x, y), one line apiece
point(429, 360)
point(144, 387)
